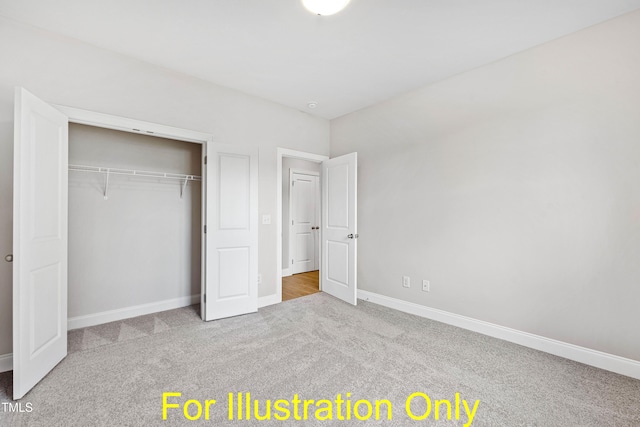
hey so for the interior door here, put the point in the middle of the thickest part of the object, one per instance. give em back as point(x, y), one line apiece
point(231, 257)
point(39, 240)
point(339, 227)
point(303, 202)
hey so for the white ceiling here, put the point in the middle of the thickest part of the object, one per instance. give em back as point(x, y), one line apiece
point(276, 49)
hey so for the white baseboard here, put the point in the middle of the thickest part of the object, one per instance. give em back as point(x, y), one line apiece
point(6, 362)
point(269, 300)
point(584, 355)
point(286, 272)
point(128, 312)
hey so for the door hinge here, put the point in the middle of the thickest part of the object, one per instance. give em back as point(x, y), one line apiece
point(291, 262)
point(293, 183)
point(205, 298)
point(205, 229)
point(205, 160)
point(291, 222)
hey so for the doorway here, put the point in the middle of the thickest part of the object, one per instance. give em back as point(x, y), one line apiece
point(306, 278)
point(301, 220)
point(338, 229)
point(301, 228)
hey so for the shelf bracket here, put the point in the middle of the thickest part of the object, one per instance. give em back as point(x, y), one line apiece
point(106, 185)
point(184, 184)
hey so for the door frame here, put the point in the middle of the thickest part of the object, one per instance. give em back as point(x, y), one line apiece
point(107, 121)
point(294, 154)
point(316, 207)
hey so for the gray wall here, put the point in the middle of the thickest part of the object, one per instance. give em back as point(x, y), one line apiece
point(64, 71)
point(287, 164)
point(514, 188)
point(143, 244)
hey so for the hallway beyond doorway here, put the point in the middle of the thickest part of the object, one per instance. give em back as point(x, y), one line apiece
point(300, 285)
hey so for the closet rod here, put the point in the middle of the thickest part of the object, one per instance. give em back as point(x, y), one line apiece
point(132, 172)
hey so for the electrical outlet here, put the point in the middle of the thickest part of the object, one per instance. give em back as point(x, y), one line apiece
point(406, 281)
point(259, 279)
point(266, 219)
point(426, 286)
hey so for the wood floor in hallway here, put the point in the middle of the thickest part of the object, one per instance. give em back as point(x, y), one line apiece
point(300, 285)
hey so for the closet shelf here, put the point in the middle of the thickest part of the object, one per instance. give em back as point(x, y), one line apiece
point(131, 172)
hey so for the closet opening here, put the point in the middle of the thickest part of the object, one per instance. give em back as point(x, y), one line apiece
point(135, 224)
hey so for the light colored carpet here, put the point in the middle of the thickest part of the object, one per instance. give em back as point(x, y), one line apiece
point(317, 347)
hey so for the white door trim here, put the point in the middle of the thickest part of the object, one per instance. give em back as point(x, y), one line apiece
point(303, 172)
point(281, 153)
point(93, 118)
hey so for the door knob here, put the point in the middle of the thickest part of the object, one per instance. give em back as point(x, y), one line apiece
point(352, 236)
point(9, 258)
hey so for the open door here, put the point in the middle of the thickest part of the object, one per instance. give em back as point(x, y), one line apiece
point(231, 258)
point(339, 227)
point(39, 240)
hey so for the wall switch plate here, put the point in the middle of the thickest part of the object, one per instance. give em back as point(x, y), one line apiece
point(426, 286)
point(266, 219)
point(406, 281)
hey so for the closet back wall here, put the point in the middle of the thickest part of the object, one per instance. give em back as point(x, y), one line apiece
point(142, 245)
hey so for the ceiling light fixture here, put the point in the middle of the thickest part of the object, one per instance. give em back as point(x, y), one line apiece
point(325, 7)
point(312, 104)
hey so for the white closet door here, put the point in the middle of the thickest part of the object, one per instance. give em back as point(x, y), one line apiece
point(231, 257)
point(40, 191)
point(339, 227)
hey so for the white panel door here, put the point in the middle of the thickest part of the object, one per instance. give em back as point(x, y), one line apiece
point(339, 227)
point(231, 254)
point(304, 223)
point(39, 240)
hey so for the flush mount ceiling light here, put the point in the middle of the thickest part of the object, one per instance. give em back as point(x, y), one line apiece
point(325, 7)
